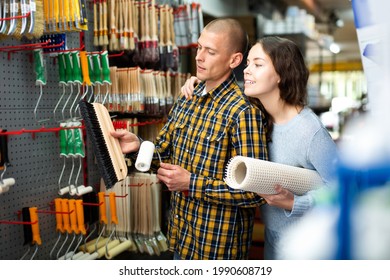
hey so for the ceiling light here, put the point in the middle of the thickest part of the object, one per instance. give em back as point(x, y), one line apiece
point(334, 48)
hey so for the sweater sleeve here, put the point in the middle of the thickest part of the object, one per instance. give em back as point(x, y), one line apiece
point(322, 156)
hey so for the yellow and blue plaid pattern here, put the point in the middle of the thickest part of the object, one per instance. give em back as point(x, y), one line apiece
point(213, 221)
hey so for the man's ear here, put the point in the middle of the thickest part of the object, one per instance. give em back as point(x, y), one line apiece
point(236, 59)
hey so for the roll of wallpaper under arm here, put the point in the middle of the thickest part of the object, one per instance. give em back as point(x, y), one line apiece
point(260, 176)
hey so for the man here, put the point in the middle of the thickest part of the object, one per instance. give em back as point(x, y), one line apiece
point(209, 220)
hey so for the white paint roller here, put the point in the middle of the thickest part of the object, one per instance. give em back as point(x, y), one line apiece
point(6, 184)
point(120, 248)
point(260, 176)
point(145, 156)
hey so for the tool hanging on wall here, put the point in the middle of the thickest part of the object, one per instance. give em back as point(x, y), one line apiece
point(31, 230)
point(40, 72)
point(5, 183)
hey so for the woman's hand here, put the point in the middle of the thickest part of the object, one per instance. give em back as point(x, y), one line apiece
point(282, 199)
point(188, 88)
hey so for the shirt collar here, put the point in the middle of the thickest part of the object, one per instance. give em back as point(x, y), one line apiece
point(215, 92)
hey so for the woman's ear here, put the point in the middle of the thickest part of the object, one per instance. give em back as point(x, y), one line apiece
point(236, 60)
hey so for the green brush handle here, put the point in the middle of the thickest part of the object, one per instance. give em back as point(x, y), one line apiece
point(105, 67)
point(70, 142)
point(39, 68)
point(69, 67)
point(97, 69)
point(61, 68)
point(90, 69)
point(78, 142)
point(63, 143)
point(77, 78)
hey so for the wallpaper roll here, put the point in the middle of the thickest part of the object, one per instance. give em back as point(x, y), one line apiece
point(260, 176)
point(145, 156)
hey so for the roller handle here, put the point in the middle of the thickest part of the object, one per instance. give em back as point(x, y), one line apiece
point(77, 78)
point(105, 67)
point(85, 68)
point(91, 70)
point(27, 230)
point(61, 68)
point(65, 215)
point(70, 142)
point(68, 67)
point(63, 143)
point(36, 237)
point(80, 216)
point(78, 142)
point(3, 150)
point(102, 208)
point(73, 216)
point(114, 217)
point(59, 220)
point(97, 68)
point(39, 68)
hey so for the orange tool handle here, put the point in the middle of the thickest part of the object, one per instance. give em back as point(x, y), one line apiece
point(58, 209)
point(80, 216)
point(114, 217)
point(36, 237)
point(102, 208)
point(84, 68)
point(65, 216)
point(73, 216)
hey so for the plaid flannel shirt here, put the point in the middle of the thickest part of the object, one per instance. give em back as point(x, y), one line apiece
point(212, 221)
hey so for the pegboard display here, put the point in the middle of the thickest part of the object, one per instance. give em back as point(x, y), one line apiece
point(35, 161)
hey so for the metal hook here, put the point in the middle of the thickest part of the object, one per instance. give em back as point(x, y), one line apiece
point(67, 100)
point(58, 103)
point(70, 245)
point(55, 245)
point(62, 246)
point(26, 253)
point(109, 239)
point(75, 99)
point(92, 96)
point(61, 191)
point(89, 235)
point(2, 174)
point(35, 251)
point(76, 191)
point(70, 176)
point(36, 106)
point(105, 96)
point(81, 98)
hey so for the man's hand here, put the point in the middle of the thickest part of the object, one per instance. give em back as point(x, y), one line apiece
point(188, 88)
point(129, 141)
point(283, 198)
point(174, 177)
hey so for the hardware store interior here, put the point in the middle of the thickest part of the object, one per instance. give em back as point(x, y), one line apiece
point(54, 203)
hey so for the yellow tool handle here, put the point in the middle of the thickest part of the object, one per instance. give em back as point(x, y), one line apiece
point(84, 68)
point(36, 237)
point(102, 207)
point(114, 217)
point(58, 209)
point(65, 215)
point(80, 216)
point(73, 216)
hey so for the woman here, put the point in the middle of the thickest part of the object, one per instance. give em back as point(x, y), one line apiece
point(276, 78)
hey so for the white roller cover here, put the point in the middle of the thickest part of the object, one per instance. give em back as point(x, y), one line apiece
point(260, 176)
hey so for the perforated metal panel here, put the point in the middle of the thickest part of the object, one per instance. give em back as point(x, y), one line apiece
point(35, 161)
